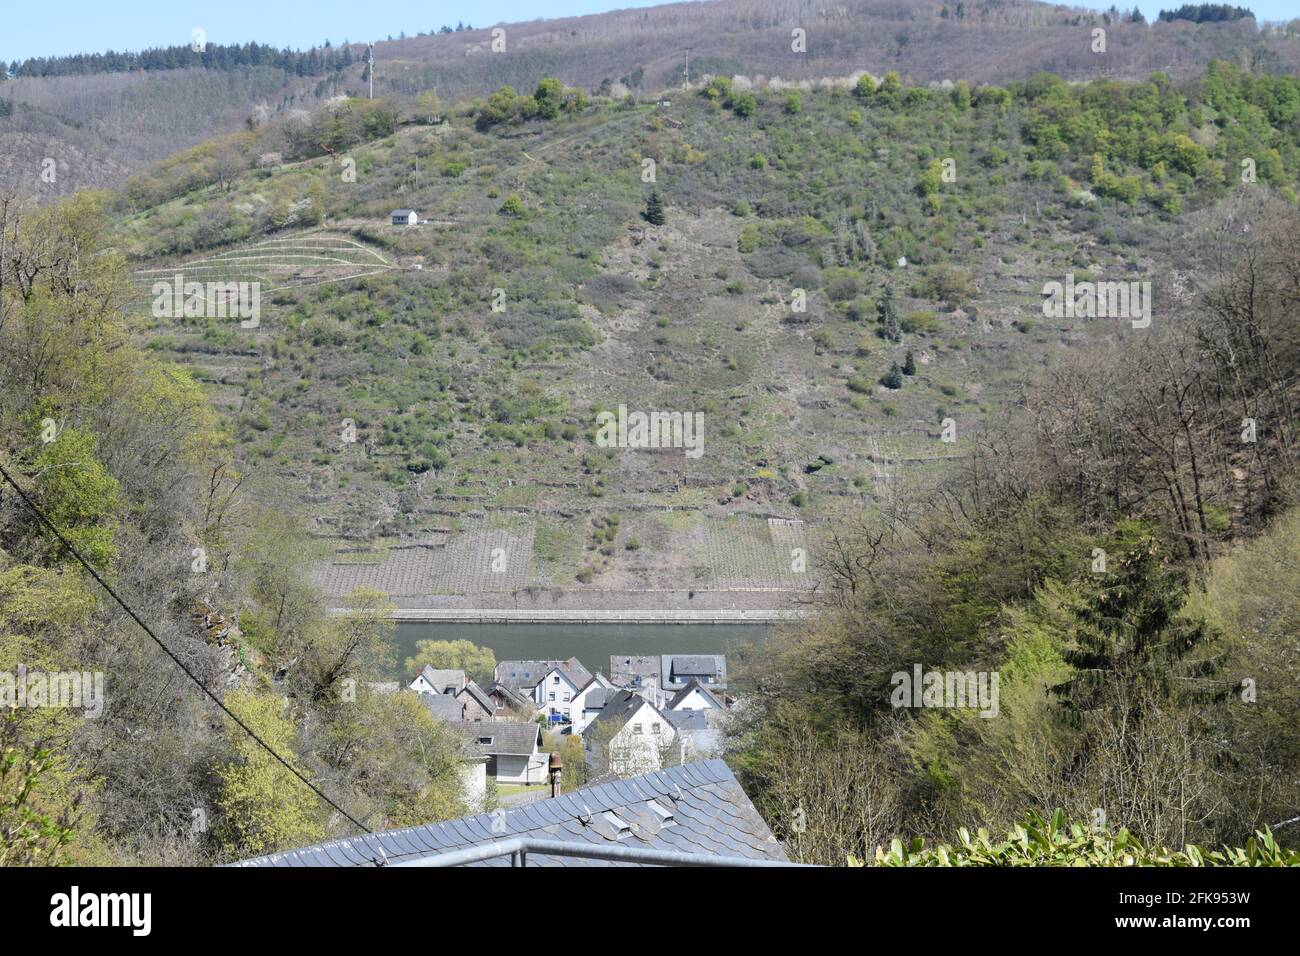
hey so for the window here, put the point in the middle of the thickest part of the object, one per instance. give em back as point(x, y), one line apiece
point(555, 680)
point(486, 741)
point(636, 728)
point(552, 695)
point(654, 728)
point(568, 697)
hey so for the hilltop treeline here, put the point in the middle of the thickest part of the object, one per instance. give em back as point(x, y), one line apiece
point(1206, 13)
point(215, 56)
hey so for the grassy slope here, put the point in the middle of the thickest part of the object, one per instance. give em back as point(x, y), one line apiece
point(474, 426)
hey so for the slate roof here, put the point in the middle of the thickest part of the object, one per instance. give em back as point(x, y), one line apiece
point(512, 696)
point(697, 808)
point(525, 675)
point(481, 696)
point(624, 669)
point(678, 669)
point(620, 707)
point(443, 706)
point(685, 692)
point(442, 679)
point(508, 737)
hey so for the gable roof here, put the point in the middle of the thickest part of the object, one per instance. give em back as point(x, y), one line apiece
point(402, 212)
point(443, 706)
point(697, 808)
point(480, 696)
point(625, 668)
point(507, 737)
point(512, 697)
point(525, 675)
point(685, 692)
point(443, 678)
point(685, 666)
point(620, 707)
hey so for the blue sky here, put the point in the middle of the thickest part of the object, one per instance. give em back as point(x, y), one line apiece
point(36, 28)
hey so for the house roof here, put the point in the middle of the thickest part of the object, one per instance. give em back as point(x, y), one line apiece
point(525, 675)
point(620, 707)
point(480, 696)
point(685, 666)
point(624, 668)
point(443, 706)
point(443, 678)
point(679, 669)
point(595, 699)
point(402, 212)
point(697, 808)
point(507, 737)
point(511, 696)
point(685, 692)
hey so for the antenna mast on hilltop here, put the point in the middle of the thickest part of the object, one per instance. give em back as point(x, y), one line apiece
point(370, 64)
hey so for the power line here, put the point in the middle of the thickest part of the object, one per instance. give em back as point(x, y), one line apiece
point(188, 673)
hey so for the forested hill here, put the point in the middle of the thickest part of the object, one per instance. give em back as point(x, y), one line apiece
point(101, 117)
point(847, 281)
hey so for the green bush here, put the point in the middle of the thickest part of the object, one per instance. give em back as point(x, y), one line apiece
point(1057, 842)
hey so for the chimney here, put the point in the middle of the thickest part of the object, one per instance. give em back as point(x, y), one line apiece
point(556, 768)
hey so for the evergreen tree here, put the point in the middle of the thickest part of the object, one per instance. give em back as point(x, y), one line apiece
point(654, 210)
point(909, 364)
point(1129, 637)
point(893, 378)
point(887, 316)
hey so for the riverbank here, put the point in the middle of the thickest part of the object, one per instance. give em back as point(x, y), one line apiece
point(445, 615)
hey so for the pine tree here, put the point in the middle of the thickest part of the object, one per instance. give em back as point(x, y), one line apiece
point(909, 364)
point(887, 316)
point(654, 209)
point(1128, 638)
point(893, 378)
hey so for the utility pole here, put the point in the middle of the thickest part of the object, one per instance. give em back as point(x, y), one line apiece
point(370, 62)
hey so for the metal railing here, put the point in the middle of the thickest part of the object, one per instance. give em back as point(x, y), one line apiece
point(518, 849)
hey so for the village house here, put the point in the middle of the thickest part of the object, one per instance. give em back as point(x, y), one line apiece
point(527, 677)
point(678, 670)
point(476, 703)
point(433, 681)
point(405, 217)
point(514, 750)
point(588, 702)
point(629, 736)
point(509, 702)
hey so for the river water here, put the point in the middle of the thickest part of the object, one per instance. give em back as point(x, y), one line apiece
point(590, 643)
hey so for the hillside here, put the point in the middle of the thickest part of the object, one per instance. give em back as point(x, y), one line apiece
point(101, 127)
point(430, 393)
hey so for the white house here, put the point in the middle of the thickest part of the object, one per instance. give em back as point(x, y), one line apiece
point(630, 736)
point(694, 696)
point(555, 692)
point(405, 217)
point(513, 750)
point(433, 681)
point(588, 702)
